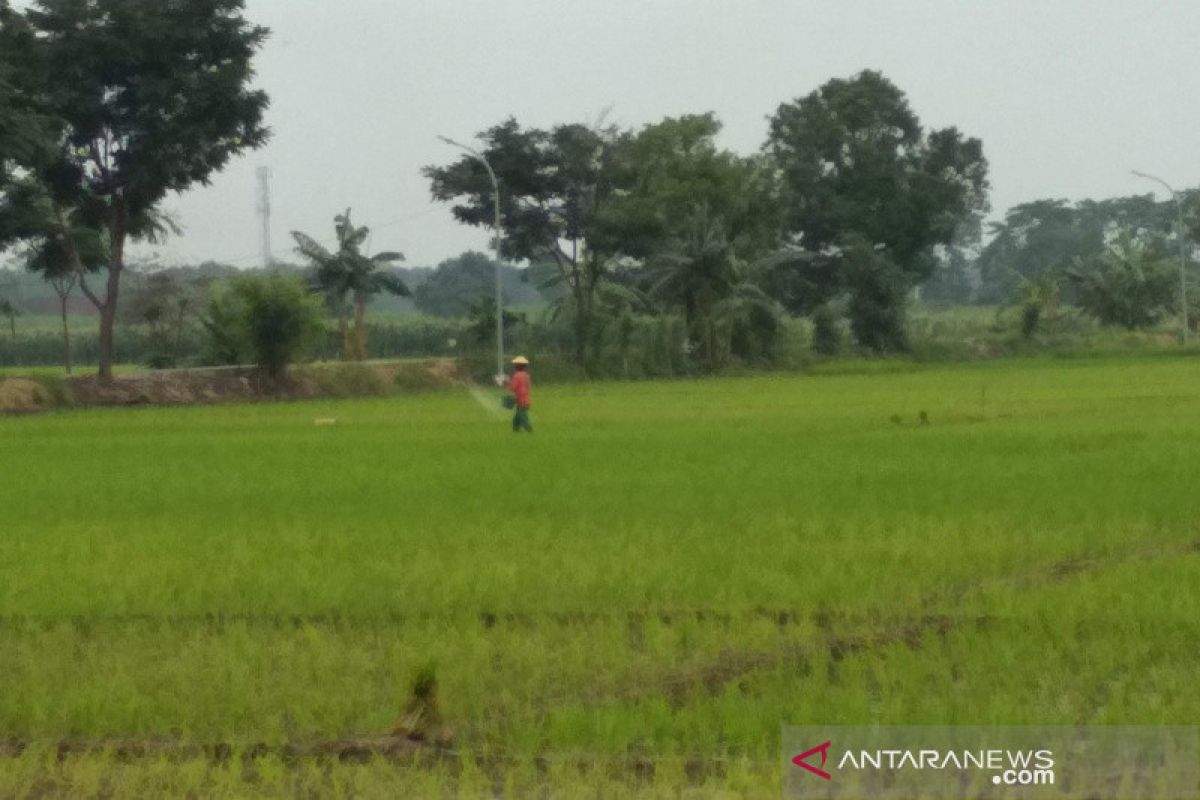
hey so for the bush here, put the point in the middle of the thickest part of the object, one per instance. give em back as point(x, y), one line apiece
point(1031, 315)
point(827, 337)
point(1128, 285)
point(878, 299)
point(271, 318)
point(756, 335)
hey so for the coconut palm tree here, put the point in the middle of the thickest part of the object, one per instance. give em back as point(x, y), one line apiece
point(347, 274)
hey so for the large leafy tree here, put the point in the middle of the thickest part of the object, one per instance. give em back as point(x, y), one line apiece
point(25, 131)
point(669, 169)
point(554, 186)
point(135, 99)
point(346, 273)
point(859, 170)
point(694, 216)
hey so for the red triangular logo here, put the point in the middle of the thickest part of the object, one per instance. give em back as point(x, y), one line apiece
point(800, 761)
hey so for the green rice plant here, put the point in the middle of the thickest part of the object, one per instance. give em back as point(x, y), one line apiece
point(630, 603)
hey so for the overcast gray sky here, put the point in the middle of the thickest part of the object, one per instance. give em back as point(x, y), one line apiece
point(1066, 95)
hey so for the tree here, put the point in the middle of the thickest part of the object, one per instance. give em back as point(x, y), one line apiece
point(268, 317)
point(349, 273)
point(53, 251)
point(955, 278)
point(1047, 236)
point(142, 99)
point(878, 289)
point(52, 258)
point(26, 133)
point(9, 310)
point(857, 166)
point(482, 314)
point(164, 302)
point(669, 168)
point(450, 290)
point(700, 272)
point(1130, 284)
point(553, 185)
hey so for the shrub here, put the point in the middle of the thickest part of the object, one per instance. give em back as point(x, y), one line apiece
point(1128, 285)
point(827, 338)
point(268, 317)
point(878, 299)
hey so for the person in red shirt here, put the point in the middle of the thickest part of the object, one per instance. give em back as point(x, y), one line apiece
point(520, 385)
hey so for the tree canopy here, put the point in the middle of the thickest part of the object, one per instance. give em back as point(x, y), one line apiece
point(1049, 235)
point(858, 168)
point(554, 185)
point(458, 283)
point(121, 102)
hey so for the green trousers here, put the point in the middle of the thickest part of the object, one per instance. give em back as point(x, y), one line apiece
point(521, 421)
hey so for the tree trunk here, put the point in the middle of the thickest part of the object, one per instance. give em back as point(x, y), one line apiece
point(66, 336)
point(582, 326)
point(360, 328)
point(344, 335)
point(107, 318)
point(108, 311)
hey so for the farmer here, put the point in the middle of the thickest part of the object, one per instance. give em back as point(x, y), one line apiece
point(519, 385)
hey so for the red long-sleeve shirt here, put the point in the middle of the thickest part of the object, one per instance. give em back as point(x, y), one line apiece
point(519, 384)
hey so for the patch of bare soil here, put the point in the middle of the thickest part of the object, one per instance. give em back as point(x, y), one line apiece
point(184, 387)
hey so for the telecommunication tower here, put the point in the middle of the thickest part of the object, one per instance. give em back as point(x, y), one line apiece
point(264, 213)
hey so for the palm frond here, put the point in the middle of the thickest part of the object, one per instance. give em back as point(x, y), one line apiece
point(311, 249)
point(390, 283)
point(387, 257)
point(617, 296)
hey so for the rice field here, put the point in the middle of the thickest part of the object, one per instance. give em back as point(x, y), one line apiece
point(631, 601)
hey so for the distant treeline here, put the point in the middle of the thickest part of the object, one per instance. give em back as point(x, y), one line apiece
point(447, 290)
point(642, 251)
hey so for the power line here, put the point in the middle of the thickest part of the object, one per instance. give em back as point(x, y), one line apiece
point(390, 223)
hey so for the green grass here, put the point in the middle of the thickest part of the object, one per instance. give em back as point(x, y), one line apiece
point(31, 324)
point(667, 571)
point(78, 371)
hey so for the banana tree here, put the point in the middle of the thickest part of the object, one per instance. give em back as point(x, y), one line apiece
point(347, 277)
point(700, 271)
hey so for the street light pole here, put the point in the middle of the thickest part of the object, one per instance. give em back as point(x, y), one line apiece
point(1182, 249)
point(478, 156)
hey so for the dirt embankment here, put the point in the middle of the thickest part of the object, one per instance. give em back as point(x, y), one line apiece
point(227, 385)
point(23, 396)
